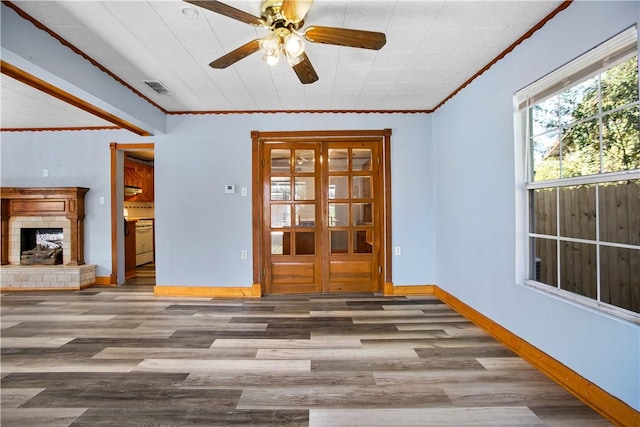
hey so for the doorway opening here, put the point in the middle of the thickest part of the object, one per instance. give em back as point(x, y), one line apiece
point(133, 214)
point(322, 210)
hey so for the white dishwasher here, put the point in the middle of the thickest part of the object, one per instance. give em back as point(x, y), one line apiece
point(144, 241)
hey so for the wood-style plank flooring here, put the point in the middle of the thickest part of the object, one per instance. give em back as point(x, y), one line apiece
point(122, 357)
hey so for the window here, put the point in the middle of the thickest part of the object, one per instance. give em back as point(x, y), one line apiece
point(580, 126)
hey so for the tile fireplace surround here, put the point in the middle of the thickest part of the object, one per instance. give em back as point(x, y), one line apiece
point(44, 207)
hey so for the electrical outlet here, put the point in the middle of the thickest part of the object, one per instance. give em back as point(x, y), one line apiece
point(398, 250)
point(102, 200)
point(243, 191)
point(243, 254)
point(45, 173)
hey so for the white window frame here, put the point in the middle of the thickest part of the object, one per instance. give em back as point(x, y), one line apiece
point(604, 56)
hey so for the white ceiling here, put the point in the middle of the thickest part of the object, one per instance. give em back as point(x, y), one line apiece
point(433, 47)
point(26, 107)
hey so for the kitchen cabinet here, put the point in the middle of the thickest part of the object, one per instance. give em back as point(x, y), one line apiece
point(139, 175)
point(129, 249)
point(148, 184)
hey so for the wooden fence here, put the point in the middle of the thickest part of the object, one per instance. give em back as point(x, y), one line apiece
point(618, 218)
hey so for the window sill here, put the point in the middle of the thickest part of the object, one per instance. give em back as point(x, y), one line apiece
point(600, 307)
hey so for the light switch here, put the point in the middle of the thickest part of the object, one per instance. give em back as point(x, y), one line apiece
point(102, 200)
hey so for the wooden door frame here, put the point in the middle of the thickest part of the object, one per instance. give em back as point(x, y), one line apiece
point(259, 138)
point(117, 216)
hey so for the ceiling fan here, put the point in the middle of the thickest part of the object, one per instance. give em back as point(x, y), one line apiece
point(285, 18)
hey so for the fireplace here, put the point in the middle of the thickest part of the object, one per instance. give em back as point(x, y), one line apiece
point(40, 205)
point(58, 261)
point(41, 246)
point(18, 225)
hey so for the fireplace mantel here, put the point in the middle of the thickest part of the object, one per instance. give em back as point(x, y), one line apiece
point(45, 201)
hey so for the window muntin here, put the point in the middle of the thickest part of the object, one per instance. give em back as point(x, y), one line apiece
point(583, 169)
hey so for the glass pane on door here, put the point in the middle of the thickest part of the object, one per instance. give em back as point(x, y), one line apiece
point(306, 215)
point(361, 159)
point(338, 159)
point(280, 188)
point(305, 243)
point(338, 214)
point(280, 161)
point(280, 216)
point(361, 188)
point(339, 242)
point(280, 243)
point(338, 187)
point(305, 161)
point(305, 188)
point(363, 242)
point(362, 214)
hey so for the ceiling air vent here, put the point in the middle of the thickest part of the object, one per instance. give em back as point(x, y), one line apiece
point(158, 87)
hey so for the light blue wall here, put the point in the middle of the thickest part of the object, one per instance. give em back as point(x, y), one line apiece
point(202, 230)
point(476, 206)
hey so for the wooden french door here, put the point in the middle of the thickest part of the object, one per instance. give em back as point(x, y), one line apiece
point(321, 216)
point(292, 218)
point(352, 179)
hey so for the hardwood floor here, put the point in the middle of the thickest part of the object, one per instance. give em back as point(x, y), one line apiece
point(145, 276)
point(122, 357)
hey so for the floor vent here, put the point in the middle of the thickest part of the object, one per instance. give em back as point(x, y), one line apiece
point(158, 87)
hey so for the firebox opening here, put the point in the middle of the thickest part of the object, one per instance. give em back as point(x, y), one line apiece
point(41, 246)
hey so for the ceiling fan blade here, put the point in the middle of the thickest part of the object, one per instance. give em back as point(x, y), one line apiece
point(296, 10)
point(236, 55)
point(305, 71)
point(226, 10)
point(346, 37)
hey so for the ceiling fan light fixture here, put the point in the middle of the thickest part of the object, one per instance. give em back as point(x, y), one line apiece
point(294, 60)
point(293, 45)
point(270, 45)
point(272, 59)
